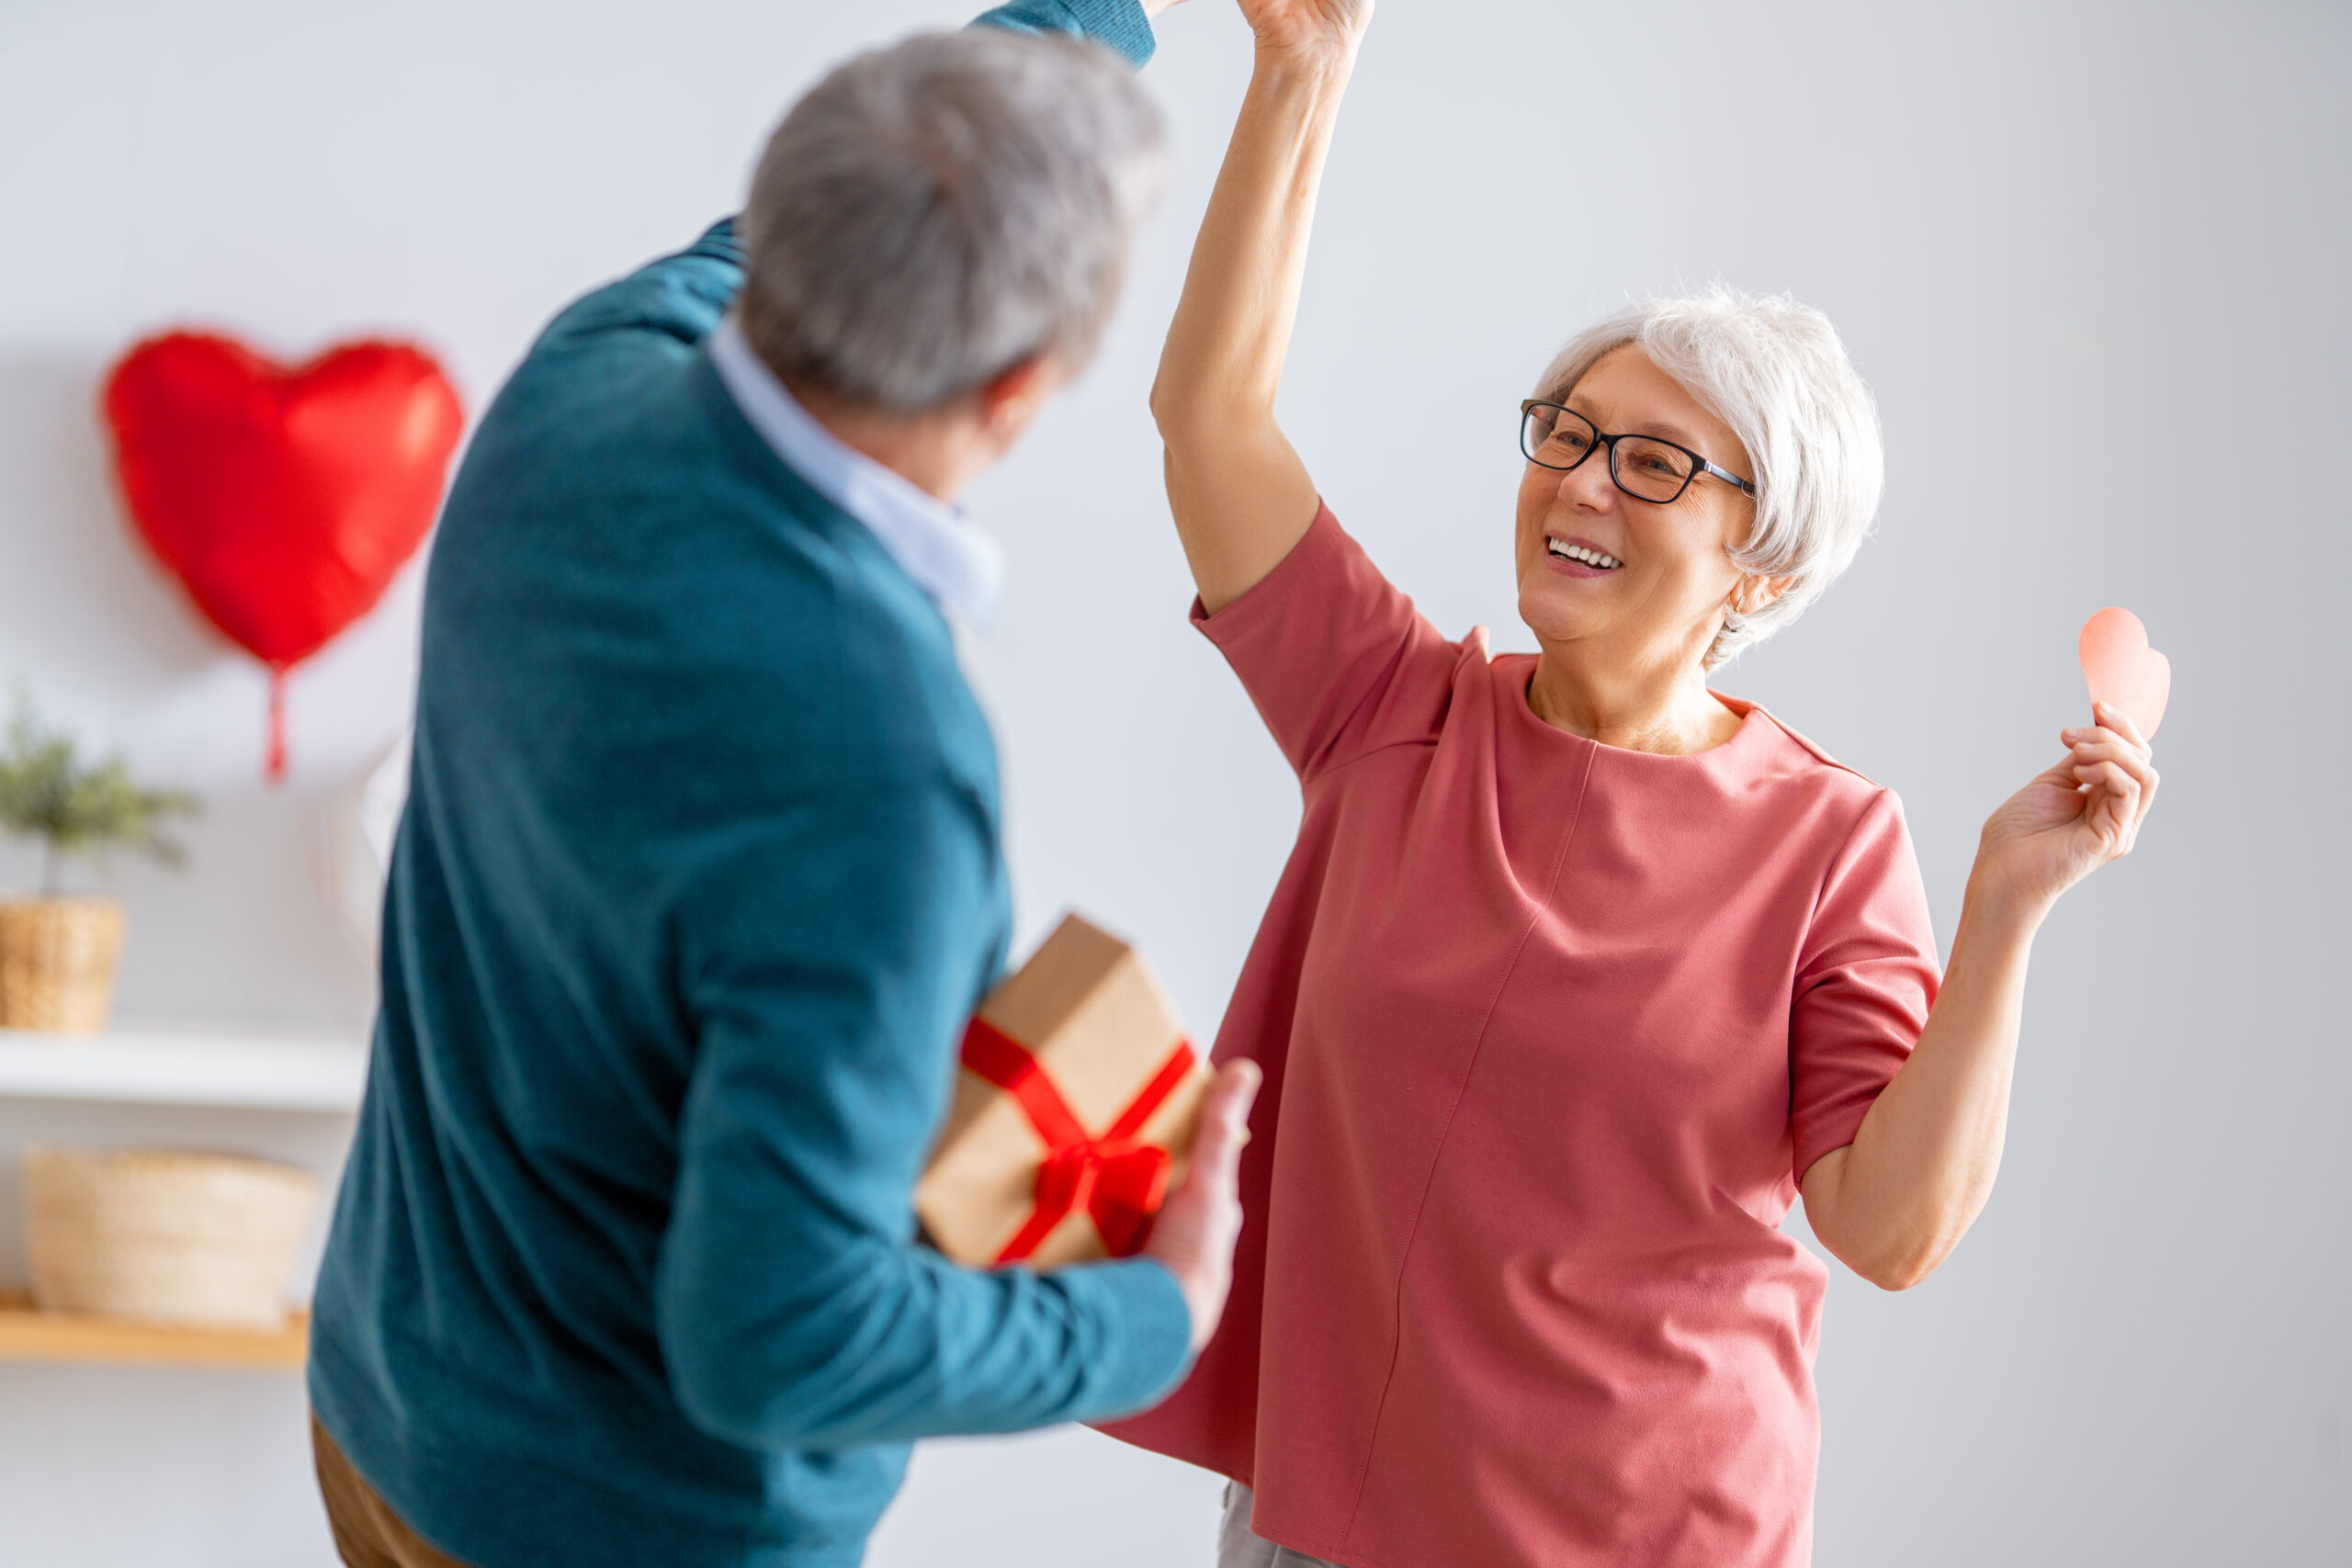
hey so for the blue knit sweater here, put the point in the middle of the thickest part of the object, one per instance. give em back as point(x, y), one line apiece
point(699, 879)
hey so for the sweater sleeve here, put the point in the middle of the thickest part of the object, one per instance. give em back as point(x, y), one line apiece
point(1119, 25)
point(794, 1308)
point(682, 297)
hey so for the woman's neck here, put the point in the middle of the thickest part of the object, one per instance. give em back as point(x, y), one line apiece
point(1665, 711)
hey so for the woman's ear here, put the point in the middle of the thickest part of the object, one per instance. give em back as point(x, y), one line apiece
point(1753, 593)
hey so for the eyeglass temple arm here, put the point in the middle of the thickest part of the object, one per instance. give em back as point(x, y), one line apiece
point(1725, 474)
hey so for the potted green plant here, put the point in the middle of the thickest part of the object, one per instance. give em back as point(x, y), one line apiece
point(58, 953)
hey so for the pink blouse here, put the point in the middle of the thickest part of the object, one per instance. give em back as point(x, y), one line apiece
point(1550, 1031)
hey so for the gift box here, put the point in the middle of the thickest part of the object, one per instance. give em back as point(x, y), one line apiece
point(1074, 1108)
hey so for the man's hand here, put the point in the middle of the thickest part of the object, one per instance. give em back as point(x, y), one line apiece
point(1193, 1235)
point(1153, 7)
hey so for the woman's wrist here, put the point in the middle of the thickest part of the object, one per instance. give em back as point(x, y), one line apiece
point(1321, 64)
point(1302, 95)
point(1992, 910)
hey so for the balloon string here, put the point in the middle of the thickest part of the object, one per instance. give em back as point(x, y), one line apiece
point(273, 770)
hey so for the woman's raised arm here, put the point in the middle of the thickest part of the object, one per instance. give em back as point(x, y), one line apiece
point(1241, 496)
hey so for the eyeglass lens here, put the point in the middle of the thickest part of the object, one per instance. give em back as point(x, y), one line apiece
point(1644, 468)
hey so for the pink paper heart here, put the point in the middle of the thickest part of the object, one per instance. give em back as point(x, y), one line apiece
point(2122, 670)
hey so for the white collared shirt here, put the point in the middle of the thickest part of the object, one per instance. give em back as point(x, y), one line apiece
point(935, 544)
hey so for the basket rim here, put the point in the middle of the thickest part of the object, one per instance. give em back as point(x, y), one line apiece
point(15, 903)
point(61, 1157)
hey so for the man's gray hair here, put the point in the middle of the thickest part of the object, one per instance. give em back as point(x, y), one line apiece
point(1775, 371)
point(932, 213)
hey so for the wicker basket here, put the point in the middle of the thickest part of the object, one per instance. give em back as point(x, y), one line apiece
point(57, 960)
point(200, 1240)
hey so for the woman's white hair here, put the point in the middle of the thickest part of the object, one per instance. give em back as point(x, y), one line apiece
point(1775, 372)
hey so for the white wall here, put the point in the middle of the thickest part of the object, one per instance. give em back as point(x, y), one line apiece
point(2091, 257)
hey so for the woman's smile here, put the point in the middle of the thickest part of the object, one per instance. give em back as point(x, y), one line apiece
point(1574, 556)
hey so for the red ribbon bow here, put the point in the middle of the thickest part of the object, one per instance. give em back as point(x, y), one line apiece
point(1119, 1182)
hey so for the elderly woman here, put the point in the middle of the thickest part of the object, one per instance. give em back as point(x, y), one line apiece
point(1580, 973)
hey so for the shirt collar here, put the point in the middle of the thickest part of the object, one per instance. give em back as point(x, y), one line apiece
point(935, 544)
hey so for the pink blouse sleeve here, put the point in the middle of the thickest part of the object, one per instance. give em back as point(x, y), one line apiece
point(1865, 981)
point(1338, 661)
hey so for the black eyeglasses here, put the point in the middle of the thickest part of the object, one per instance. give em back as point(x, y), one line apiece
point(1642, 466)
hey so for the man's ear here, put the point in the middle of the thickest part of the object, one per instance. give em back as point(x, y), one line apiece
point(1010, 399)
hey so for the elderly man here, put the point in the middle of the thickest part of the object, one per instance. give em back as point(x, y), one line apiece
point(700, 876)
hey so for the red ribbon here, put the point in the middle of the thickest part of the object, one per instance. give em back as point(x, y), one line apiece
point(1119, 1182)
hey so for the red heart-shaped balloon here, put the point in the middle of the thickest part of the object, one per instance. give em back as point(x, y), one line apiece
point(285, 499)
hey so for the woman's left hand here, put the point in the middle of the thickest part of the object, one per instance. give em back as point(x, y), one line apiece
point(2072, 820)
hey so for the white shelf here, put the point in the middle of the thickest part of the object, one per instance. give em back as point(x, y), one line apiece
point(158, 1067)
point(29, 1336)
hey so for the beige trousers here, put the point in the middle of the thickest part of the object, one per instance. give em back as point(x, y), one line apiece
point(368, 1534)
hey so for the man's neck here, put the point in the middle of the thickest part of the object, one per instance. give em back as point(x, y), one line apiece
point(938, 453)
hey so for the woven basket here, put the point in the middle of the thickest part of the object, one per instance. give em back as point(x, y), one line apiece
point(57, 960)
point(200, 1240)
